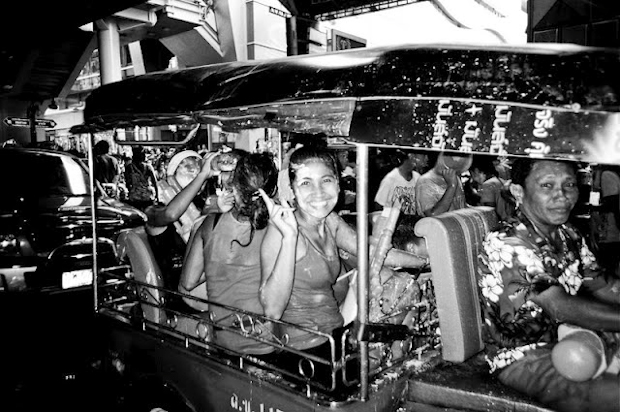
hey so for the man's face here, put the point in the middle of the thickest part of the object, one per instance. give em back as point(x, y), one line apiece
point(456, 161)
point(343, 158)
point(418, 160)
point(478, 176)
point(550, 193)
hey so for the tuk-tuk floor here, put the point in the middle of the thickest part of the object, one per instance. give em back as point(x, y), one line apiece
point(466, 386)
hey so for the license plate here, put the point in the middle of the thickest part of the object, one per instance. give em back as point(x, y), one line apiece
point(77, 278)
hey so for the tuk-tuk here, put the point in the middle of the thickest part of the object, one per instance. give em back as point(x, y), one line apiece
point(552, 101)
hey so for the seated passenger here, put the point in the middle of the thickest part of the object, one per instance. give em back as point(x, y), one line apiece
point(228, 252)
point(168, 224)
point(538, 280)
point(300, 254)
point(495, 190)
point(440, 189)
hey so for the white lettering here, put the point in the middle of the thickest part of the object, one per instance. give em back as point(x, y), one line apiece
point(498, 135)
point(440, 130)
point(471, 132)
point(245, 405)
point(234, 401)
point(543, 121)
point(538, 149)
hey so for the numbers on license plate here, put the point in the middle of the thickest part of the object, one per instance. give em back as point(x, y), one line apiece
point(76, 278)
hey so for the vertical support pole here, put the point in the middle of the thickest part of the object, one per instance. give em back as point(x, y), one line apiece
point(109, 51)
point(291, 36)
point(137, 58)
point(93, 214)
point(362, 261)
point(33, 108)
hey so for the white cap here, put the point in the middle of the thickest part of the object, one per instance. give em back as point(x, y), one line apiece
point(178, 158)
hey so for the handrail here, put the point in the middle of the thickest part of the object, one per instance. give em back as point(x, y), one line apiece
point(176, 321)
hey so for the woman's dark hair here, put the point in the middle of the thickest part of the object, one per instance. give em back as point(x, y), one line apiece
point(255, 171)
point(404, 232)
point(522, 167)
point(309, 153)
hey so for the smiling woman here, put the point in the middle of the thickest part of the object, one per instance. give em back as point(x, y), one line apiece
point(298, 281)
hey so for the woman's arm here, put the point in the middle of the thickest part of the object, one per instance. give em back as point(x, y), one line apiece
point(192, 273)
point(277, 271)
point(278, 255)
point(346, 239)
point(163, 216)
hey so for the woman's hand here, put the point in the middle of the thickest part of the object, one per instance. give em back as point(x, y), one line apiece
point(207, 167)
point(226, 201)
point(282, 216)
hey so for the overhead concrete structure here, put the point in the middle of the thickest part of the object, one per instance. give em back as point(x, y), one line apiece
point(590, 23)
point(42, 57)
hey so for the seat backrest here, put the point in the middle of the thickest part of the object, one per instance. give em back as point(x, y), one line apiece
point(453, 240)
point(134, 243)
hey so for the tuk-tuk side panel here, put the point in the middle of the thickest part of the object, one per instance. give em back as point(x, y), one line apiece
point(482, 127)
point(208, 385)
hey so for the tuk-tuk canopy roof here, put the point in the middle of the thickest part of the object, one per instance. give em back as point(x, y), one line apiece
point(534, 99)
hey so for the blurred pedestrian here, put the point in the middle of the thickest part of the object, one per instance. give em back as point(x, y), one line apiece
point(141, 180)
point(398, 186)
point(106, 168)
point(440, 189)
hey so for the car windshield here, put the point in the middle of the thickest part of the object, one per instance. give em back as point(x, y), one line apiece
point(44, 174)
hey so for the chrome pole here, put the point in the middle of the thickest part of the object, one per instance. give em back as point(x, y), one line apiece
point(93, 214)
point(362, 259)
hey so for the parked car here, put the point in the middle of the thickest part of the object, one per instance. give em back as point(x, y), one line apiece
point(45, 222)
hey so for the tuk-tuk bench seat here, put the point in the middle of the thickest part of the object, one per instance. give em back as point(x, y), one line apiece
point(462, 380)
point(154, 302)
point(453, 240)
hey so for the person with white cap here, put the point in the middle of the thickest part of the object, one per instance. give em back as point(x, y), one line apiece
point(169, 223)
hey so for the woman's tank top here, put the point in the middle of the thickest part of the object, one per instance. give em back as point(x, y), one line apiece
point(233, 278)
point(312, 303)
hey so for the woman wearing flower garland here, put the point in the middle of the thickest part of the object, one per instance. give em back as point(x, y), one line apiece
point(540, 284)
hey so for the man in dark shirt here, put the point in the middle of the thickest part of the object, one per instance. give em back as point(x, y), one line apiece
point(106, 168)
